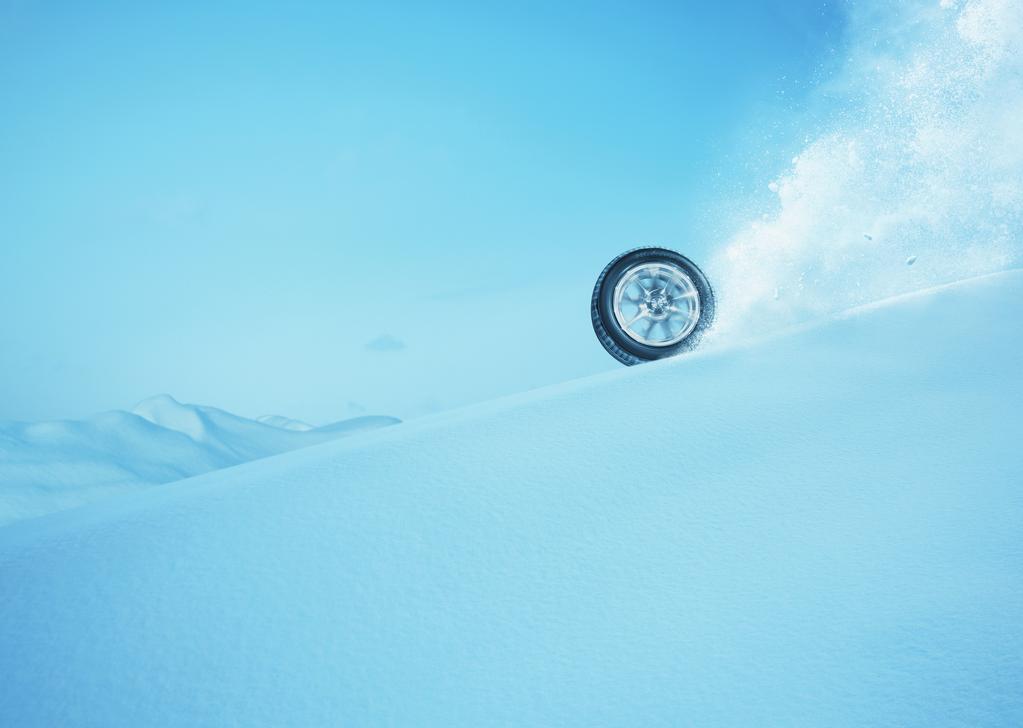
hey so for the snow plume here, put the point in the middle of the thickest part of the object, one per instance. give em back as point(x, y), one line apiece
point(918, 180)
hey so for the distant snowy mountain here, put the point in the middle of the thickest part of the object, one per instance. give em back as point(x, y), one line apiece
point(49, 466)
point(823, 528)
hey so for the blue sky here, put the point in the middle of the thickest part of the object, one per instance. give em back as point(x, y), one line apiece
point(238, 204)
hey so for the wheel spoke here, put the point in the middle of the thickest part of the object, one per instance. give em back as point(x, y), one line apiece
point(637, 317)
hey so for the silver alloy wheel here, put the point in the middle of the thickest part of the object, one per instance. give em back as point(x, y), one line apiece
point(656, 304)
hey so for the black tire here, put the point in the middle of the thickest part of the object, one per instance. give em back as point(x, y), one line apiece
point(618, 342)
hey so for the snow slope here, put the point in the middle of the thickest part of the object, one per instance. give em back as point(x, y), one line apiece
point(821, 528)
point(47, 466)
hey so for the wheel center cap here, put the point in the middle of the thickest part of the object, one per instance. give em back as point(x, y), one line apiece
point(657, 303)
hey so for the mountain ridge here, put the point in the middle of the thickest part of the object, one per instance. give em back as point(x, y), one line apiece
point(46, 466)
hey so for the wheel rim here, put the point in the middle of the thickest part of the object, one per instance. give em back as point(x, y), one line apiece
point(656, 304)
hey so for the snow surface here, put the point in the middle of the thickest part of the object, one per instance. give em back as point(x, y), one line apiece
point(48, 466)
point(821, 528)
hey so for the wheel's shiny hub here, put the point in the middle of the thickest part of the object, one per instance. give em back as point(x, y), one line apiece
point(656, 304)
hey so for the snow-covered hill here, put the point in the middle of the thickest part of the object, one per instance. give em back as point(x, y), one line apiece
point(822, 528)
point(47, 466)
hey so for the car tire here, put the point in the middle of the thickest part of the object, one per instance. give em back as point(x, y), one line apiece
point(651, 303)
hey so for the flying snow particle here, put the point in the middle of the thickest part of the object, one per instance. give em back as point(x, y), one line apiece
point(911, 260)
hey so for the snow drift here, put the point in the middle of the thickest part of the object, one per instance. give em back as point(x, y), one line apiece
point(825, 528)
point(47, 466)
